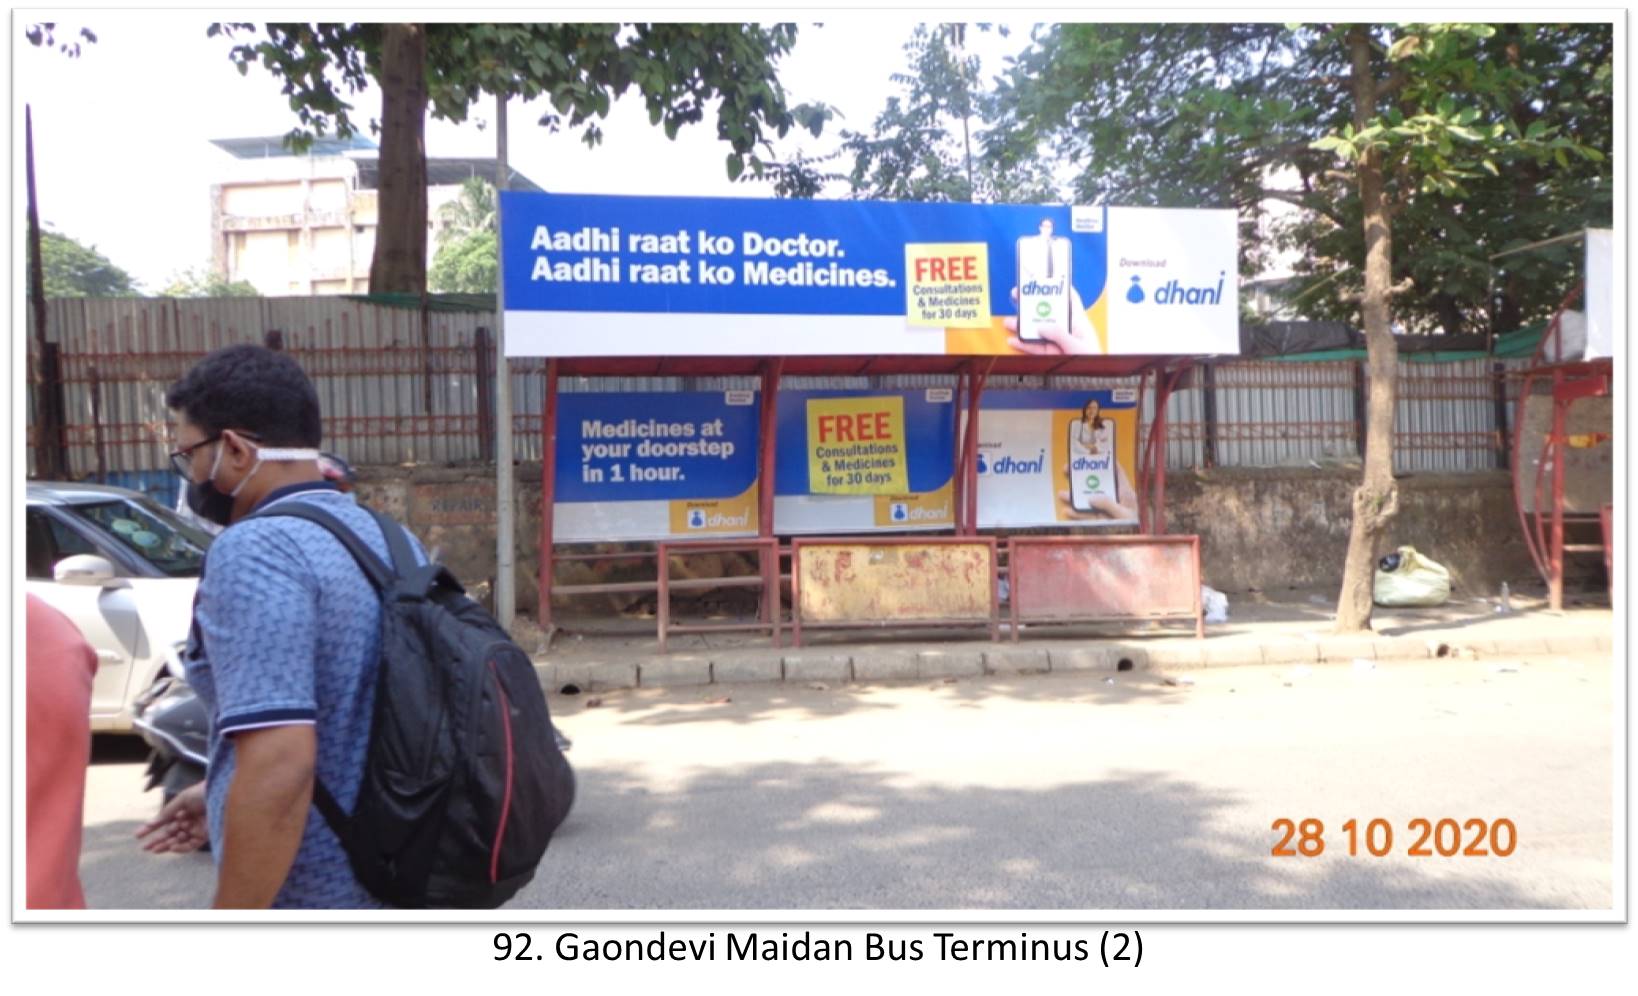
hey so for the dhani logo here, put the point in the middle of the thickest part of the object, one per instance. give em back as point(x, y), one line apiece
point(1042, 288)
point(904, 513)
point(1008, 464)
point(698, 519)
point(1173, 292)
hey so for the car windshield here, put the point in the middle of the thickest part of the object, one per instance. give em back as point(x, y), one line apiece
point(153, 533)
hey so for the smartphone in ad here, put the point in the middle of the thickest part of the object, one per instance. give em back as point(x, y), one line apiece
point(1091, 462)
point(1044, 266)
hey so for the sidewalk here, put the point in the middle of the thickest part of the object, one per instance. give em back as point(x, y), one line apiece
point(1284, 632)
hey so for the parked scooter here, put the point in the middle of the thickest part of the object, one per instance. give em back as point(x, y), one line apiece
point(173, 722)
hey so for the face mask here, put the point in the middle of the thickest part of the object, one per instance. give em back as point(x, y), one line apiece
point(212, 505)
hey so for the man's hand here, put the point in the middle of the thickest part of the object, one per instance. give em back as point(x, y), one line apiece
point(1078, 339)
point(180, 826)
point(1103, 507)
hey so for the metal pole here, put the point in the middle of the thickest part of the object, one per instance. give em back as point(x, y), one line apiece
point(505, 547)
point(772, 370)
point(548, 496)
point(1168, 381)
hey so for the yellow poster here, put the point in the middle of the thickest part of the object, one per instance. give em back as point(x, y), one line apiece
point(949, 284)
point(856, 446)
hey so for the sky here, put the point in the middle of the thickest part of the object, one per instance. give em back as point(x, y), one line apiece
point(121, 134)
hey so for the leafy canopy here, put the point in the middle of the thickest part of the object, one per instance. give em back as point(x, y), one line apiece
point(73, 269)
point(1491, 137)
point(678, 70)
point(204, 282)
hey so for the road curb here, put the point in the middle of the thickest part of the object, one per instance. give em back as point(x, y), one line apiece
point(890, 665)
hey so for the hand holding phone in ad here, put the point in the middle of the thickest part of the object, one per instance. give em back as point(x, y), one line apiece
point(1051, 318)
point(1098, 485)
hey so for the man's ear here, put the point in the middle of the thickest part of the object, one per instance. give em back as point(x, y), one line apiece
point(236, 450)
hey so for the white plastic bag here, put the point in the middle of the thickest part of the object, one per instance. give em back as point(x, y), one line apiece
point(1416, 581)
point(1215, 604)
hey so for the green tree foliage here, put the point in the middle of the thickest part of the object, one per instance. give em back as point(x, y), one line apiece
point(475, 210)
point(1494, 137)
point(1516, 149)
point(466, 264)
point(76, 270)
point(926, 145)
point(681, 72)
point(205, 282)
point(468, 256)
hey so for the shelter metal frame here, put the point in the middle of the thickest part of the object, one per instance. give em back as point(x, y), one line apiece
point(972, 374)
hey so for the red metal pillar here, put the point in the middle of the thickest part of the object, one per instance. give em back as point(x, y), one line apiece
point(766, 439)
point(548, 495)
point(1555, 580)
point(1158, 436)
point(1145, 448)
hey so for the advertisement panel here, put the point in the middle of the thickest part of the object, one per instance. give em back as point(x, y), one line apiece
point(899, 478)
point(649, 466)
point(690, 276)
point(1057, 458)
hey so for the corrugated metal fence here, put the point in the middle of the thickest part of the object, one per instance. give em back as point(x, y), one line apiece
point(403, 386)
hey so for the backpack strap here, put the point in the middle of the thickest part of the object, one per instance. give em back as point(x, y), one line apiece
point(403, 558)
point(379, 573)
point(383, 578)
point(414, 579)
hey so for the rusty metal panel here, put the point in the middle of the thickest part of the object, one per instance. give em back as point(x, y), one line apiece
point(1068, 578)
point(881, 582)
point(1445, 417)
point(1274, 414)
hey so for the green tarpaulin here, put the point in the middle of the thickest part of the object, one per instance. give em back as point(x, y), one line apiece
point(1520, 344)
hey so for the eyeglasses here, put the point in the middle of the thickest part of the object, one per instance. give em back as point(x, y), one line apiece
point(182, 457)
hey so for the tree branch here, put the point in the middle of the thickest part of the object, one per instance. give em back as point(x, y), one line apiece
point(1308, 204)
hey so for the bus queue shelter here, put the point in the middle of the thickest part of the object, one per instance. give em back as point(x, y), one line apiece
point(698, 287)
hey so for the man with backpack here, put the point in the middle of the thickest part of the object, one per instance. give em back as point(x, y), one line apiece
point(375, 739)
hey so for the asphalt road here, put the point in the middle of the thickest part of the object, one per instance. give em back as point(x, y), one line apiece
point(1045, 792)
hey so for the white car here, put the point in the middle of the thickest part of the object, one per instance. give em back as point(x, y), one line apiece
point(124, 570)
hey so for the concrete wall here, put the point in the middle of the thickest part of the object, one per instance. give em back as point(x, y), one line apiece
point(1260, 529)
point(1287, 528)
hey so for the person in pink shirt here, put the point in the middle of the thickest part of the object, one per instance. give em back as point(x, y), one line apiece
point(60, 666)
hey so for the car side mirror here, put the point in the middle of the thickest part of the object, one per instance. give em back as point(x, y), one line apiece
point(88, 569)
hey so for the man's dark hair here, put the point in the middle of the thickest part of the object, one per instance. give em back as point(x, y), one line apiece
point(254, 389)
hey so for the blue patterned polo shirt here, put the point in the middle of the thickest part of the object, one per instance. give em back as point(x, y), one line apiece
point(290, 630)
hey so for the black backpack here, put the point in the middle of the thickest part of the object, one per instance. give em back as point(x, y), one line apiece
point(463, 781)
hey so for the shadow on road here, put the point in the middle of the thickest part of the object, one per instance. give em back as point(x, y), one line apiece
point(113, 867)
point(824, 836)
point(755, 703)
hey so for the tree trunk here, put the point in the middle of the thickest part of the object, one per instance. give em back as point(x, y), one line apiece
point(400, 261)
point(1376, 500)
